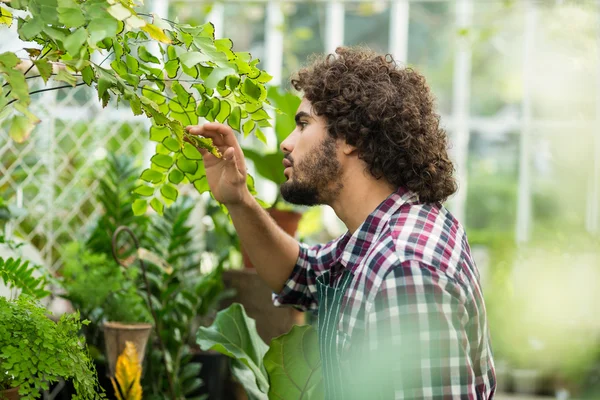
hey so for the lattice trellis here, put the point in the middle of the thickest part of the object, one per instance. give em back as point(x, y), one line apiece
point(54, 175)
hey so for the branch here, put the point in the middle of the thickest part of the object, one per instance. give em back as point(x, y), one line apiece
point(151, 16)
point(47, 90)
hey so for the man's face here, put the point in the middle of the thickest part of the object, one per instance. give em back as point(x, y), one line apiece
point(311, 160)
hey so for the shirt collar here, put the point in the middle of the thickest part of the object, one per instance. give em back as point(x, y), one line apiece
point(359, 243)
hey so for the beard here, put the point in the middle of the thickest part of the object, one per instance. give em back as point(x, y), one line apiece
point(316, 178)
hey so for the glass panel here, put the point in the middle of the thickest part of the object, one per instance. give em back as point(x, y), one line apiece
point(430, 47)
point(368, 23)
point(304, 30)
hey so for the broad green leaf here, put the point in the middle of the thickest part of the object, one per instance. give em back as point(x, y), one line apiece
point(264, 77)
point(144, 190)
point(260, 135)
point(156, 33)
point(259, 115)
point(191, 58)
point(235, 118)
point(269, 166)
point(201, 185)
point(251, 89)
point(182, 95)
point(159, 133)
point(45, 68)
point(9, 59)
point(132, 63)
point(5, 16)
point(154, 95)
point(157, 206)
point(172, 67)
point(119, 67)
point(190, 152)
point(75, 40)
point(187, 166)
point(175, 176)
point(293, 365)
point(216, 75)
point(20, 128)
point(87, 74)
point(234, 334)
point(152, 176)
point(233, 82)
point(172, 144)
point(31, 28)
point(139, 207)
point(224, 112)
point(65, 76)
point(248, 127)
point(101, 28)
point(169, 192)
point(245, 376)
point(71, 17)
point(146, 56)
point(287, 103)
point(162, 160)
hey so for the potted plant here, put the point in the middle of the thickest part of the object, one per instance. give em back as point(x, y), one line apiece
point(36, 351)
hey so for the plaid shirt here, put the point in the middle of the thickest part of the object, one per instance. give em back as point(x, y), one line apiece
point(413, 322)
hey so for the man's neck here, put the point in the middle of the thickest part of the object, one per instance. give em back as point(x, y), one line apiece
point(360, 196)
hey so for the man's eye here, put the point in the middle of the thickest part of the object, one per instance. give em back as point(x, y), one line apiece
point(302, 124)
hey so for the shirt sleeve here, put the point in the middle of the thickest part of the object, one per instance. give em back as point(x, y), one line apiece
point(300, 289)
point(417, 337)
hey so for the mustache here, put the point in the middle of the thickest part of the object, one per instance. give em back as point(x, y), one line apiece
point(289, 158)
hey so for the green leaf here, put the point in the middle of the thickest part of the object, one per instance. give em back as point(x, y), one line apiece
point(224, 111)
point(259, 115)
point(133, 65)
point(175, 176)
point(75, 40)
point(172, 144)
point(293, 365)
point(191, 58)
point(139, 207)
point(159, 133)
point(264, 77)
point(216, 75)
point(101, 28)
point(70, 14)
point(169, 192)
point(146, 56)
point(152, 176)
point(187, 166)
point(248, 127)
point(65, 76)
point(119, 67)
point(31, 28)
point(269, 166)
point(201, 185)
point(162, 160)
point(252, 90)
point(157, 206)
point(190, 152)
point(144, 190)
point(182, 95)
point(45, 68)
point(87, 74)
point(172, 67)
point(20, 128)
point(119, 11)
point(234, 334)
point(260, 136)
point(235, 118)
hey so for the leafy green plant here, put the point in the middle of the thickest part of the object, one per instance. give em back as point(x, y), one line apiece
point(35, 351)
point(289, 369)
point(181, 298)
point(193, 75)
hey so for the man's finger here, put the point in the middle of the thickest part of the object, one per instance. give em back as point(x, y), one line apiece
point(214, 131)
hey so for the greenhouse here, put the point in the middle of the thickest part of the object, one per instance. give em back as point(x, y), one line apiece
point(300, 199)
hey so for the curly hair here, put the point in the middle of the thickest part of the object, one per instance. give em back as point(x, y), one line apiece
point(387, 113)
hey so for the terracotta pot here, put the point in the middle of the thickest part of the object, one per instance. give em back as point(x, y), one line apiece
point(287, 220)
point(115, 336)
point(255, 296)
point(10, 394)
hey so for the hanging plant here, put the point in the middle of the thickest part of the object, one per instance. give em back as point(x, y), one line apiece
point(176, 74)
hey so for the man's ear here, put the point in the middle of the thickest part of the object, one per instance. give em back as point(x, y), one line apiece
point(348, 149)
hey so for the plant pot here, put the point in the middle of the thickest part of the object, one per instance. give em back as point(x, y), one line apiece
point(10, 394)
point(115, 336)
point(526, 381)
point(287, 220)
point(255, 296)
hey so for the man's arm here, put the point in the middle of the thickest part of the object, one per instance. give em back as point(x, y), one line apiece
point(272, 251)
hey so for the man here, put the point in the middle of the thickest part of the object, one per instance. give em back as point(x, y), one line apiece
point(400, 309)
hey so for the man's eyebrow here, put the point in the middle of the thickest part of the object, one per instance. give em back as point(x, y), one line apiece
point(301, 114)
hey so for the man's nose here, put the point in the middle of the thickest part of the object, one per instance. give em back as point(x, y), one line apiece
point(287, 146)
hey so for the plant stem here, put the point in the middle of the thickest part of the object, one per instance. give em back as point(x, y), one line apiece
point(47, 90)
